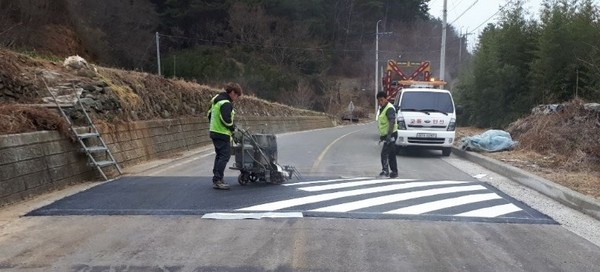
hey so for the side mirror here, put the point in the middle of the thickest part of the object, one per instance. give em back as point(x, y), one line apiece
point(459, 109)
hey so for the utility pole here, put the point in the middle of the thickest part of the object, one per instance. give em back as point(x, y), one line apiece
point(462, 38)
point(443, 47)
point(460, 42)
point(577, 84)
point(377, 62)
point(158, 51)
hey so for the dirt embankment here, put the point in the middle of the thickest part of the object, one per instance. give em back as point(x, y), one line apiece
point(112, 95)
point(562, 146)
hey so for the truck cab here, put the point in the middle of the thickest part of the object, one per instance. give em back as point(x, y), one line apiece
point(426, 119)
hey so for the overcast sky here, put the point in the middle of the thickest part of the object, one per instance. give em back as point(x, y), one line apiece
point(477, 14)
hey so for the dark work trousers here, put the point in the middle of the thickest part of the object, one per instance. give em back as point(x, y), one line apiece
point(221, 158)
point(388, 157)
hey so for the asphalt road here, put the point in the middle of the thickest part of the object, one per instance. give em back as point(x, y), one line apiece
point(435, 217)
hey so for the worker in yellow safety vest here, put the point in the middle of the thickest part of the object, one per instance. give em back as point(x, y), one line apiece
point(388, 132)
point(221, 115)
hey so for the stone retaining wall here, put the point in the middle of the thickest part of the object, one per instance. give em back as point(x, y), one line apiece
point(35, 163)
point(38, 162)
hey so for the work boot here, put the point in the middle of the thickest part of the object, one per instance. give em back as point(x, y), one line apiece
point(383, 174)
point(393, 175)
point(220, 185)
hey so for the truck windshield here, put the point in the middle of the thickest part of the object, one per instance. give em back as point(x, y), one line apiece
point(429, 101)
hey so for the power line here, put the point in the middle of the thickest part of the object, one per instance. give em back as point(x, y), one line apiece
point(275, 47)
point(455, 5)
point(510, 1)
point(324, 49)
point(463, 13)
point(261, 45)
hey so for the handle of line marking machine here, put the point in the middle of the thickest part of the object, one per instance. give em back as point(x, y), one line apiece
point(238, 135)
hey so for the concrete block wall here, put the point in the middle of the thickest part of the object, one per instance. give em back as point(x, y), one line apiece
point(35, 163)
point(133, 143)
point(275, 124)
point(39, 162)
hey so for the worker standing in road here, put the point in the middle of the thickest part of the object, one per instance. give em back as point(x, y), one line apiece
point(221, 116)
point(388, 132)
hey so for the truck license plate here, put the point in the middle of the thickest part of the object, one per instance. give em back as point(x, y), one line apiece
point(426, 135)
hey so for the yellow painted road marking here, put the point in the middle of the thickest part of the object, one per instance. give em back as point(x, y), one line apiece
point(318, 160)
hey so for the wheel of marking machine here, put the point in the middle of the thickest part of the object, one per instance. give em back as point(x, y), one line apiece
point(243, 178)
point(276, 177)
point(253, 177)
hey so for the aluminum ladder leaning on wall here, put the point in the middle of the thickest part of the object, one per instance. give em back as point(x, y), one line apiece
point(91, 142)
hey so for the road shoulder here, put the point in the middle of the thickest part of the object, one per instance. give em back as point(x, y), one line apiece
point(572, 219)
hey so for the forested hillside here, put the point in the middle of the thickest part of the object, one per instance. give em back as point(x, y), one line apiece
point(319, 54)
point(315, 54)
point(520, 63)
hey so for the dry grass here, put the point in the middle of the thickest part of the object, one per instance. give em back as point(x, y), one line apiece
point(584, 181)
point(570, 136)
point(563, 147)
point(140, 96)
point(19, 119)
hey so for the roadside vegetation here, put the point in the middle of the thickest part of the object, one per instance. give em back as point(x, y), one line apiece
point(521, 63)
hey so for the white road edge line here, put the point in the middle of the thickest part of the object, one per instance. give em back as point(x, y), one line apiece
point(252, 215)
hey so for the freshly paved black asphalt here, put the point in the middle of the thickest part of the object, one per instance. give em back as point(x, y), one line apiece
point(151, 195)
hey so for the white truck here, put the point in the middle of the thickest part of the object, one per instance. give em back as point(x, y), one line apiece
point(426, 118)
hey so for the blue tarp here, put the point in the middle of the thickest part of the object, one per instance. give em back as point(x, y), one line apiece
point(490, 141)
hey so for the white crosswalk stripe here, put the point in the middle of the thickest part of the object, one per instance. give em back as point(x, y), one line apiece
point(370, 202)
point(321, 181)
point(352, 184)
point(470, 199)
point(277, 205)
point(446, 203)
point(494, 211)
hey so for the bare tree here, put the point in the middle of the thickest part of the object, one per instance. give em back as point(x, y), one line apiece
point(249, 24)
point(119, 33)
point(303, 97)
point(6, 27)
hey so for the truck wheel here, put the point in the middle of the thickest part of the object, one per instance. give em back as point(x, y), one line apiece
point(446, 151)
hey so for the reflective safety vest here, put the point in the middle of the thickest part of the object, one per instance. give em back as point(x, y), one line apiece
point(217, 124)
point(383, 121)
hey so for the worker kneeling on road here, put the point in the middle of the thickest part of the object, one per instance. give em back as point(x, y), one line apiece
point(221, 115)
point(388, 132)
